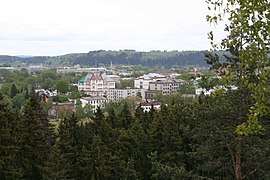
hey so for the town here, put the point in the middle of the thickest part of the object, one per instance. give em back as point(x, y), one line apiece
point(98, 86)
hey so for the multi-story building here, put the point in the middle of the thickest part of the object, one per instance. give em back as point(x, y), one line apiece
point(166, 87)
point(142, 82)
point(95, 83)
point(117, 95)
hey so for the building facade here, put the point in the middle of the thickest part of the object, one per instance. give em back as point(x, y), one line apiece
point(95, 102)
point(95, 83)
point(166, 87)
point(116, 95)
point(142, 82)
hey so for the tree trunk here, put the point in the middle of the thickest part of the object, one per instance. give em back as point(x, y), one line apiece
point(237, 168)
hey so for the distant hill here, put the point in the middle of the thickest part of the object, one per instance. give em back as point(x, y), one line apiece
point(124, 57)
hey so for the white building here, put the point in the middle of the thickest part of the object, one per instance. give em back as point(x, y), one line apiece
point(116, 95)
point(166, 87)
point(47, 92)
point(146, 106)
point(95, 83)
point(95, 102)
point(142, 82)
point(199, 91)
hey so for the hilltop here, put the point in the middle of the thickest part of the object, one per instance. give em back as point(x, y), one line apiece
point(124, 57)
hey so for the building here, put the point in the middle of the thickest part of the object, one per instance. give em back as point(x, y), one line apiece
point(95, 102)
point(199, 91)
point(96, 82)
point(116, 95)
point(150, 95)
point(33, 69)
point(47, 92)
point(78, 69)
point(166, 87)
point(142, 82)
point(146, 106)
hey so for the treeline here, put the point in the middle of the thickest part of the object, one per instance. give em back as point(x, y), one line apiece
point(185, 139)
point(124, 57)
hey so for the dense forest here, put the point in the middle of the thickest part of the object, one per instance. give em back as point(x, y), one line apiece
point(185, 139)
point(124, 57)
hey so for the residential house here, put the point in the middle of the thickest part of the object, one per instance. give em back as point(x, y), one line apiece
point(95, 102)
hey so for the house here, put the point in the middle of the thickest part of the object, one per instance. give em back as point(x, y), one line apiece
point(96, 82)
point(95, 102)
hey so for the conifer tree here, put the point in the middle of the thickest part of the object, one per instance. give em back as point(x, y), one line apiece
point(125, 117)
point(9, 168)
point(13, 91)
point(35, 140)
point(70, 145)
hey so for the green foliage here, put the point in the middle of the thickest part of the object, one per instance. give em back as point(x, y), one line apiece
point(35, 140)
point(127, 83)
point(248, 42)
point(9, 168)
point(62, 86)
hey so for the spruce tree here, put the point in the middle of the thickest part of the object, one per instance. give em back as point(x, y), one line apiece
point(126, 117)
point(9, 168)
point(13, 91)
point(70, 145)
point(35, 140)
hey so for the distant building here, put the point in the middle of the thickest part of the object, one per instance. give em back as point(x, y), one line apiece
point(142, 82)
point(12, 69)
point(47, 92)
point(95, 102)
point(150, 95)
point(116, 95)
point(146, 106)
point(204, 91)
point(95, 83)
point(166, 87)
point(32, 69)
point(78, 69)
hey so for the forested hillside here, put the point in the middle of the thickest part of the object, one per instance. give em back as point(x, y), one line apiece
point(124, 57)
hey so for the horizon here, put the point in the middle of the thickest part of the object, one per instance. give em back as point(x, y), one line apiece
point(29, 55)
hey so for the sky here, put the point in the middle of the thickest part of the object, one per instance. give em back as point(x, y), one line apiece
point(57, 27)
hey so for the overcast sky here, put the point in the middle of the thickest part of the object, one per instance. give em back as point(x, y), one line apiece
point(56, 27)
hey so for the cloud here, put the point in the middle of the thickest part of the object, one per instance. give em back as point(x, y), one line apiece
point(101, 24)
